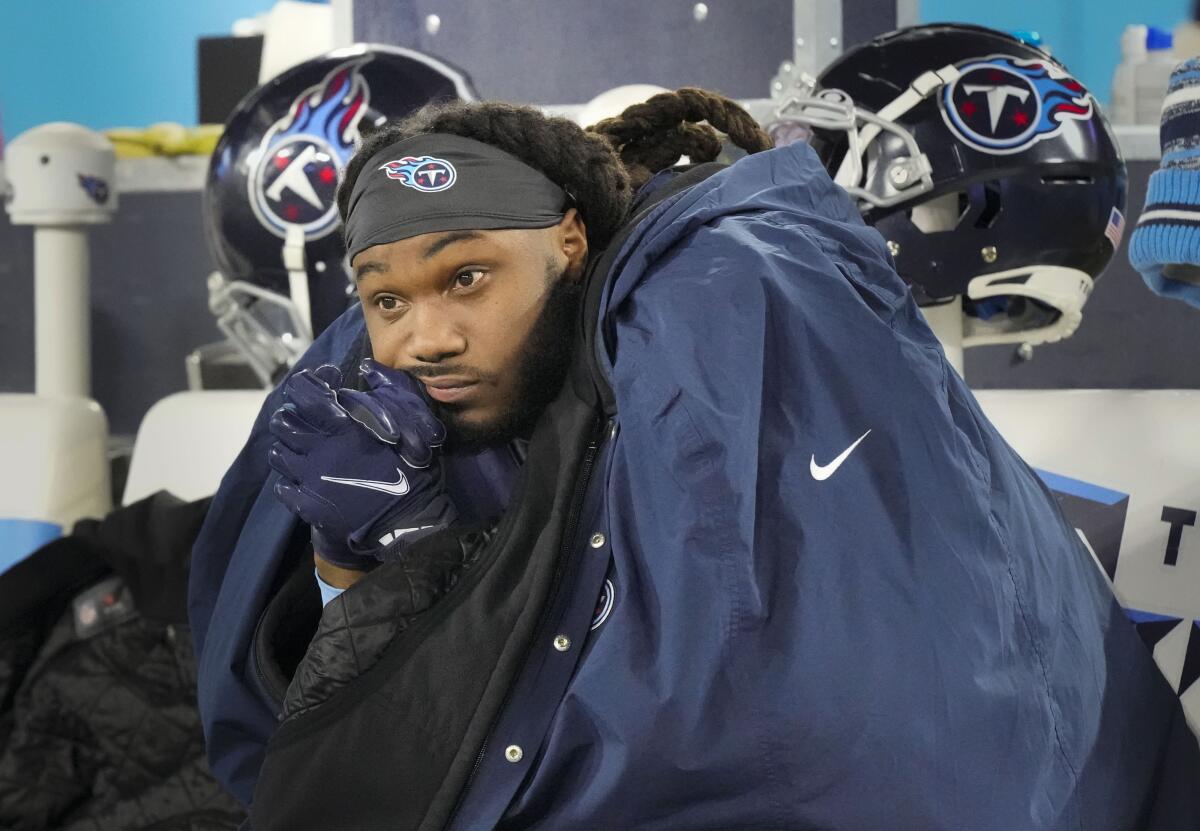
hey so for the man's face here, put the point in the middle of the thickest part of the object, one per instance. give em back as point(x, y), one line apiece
point(482, 318)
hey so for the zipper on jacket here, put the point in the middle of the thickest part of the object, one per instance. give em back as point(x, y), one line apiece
point(568, 540)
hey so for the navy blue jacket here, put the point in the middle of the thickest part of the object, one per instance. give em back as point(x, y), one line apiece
point(236, 560)
point(824, 592)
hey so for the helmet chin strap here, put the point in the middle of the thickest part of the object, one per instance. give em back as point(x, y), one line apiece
point(1063, 289)
point(293, 261)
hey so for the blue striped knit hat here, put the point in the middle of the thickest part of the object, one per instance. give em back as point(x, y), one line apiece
point(1168, 231)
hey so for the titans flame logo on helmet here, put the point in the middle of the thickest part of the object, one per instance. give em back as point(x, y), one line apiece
point(296, 171)
point(1002, 104)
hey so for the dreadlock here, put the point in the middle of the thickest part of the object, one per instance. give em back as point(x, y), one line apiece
point(653, 135)
point(601, 167)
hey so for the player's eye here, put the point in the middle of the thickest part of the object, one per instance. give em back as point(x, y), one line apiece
point(388, 304)
point(469, 278)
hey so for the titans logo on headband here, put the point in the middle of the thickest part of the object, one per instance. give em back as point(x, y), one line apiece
point(1004, 105)
point(424, 173)
point(294, 176)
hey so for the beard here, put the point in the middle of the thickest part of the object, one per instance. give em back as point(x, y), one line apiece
point(543, 361)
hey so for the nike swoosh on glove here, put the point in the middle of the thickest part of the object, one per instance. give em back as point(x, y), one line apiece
point(361, 468)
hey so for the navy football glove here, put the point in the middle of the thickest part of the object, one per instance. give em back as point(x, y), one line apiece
point(361, 468)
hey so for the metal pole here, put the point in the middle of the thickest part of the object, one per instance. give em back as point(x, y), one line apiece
point(343, 22)
point(946, 321)
point(908, 13)
point(816, 33)
point(62, 326)
point(816, 42)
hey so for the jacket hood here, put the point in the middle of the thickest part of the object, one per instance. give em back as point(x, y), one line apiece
point(789, 182)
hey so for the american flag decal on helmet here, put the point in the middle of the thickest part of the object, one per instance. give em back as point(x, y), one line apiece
point(1115, 229)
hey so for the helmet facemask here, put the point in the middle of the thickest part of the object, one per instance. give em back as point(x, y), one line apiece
point(265, 327)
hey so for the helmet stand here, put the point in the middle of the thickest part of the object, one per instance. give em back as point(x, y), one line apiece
point(63, 181)
point(55, 443)
point(946, 321)
point(293, 261)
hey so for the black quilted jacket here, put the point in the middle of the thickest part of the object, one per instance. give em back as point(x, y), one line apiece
point(98, 722)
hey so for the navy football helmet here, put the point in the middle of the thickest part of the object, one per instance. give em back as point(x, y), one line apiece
point(986, 166)
point(270, 209)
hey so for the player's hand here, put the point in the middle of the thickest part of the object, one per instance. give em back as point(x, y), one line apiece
point(361, 468)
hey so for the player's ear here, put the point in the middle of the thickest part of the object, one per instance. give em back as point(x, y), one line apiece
point(571, 240)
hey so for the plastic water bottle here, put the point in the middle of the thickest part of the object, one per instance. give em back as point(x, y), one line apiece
point(1124, 91)
point(1152, 76)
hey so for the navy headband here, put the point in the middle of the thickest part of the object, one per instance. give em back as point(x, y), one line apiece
point(435, 182)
